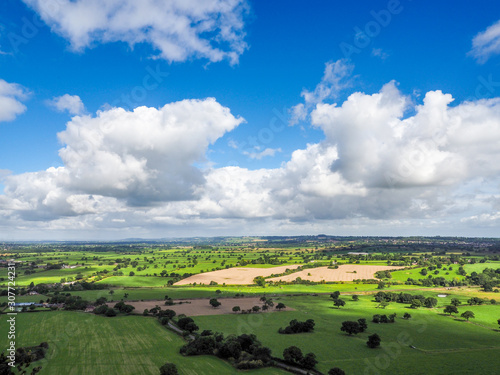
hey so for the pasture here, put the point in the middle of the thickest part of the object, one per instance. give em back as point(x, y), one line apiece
point(86, 344)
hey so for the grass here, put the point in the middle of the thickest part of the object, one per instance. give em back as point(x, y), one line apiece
point(81, 344)
point(437, 336)
point(415, 274)
point(135, 281)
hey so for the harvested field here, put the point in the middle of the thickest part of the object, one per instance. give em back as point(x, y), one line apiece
point(197, 307)
point(345, 272)
point(234, 276)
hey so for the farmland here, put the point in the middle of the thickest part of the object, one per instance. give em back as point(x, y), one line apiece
point(372, 277)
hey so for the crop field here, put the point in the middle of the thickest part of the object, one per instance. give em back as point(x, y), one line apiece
point(234, 276)
point(345, 272)
point(145, 276)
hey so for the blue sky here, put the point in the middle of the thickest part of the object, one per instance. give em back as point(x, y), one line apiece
point(316, 108)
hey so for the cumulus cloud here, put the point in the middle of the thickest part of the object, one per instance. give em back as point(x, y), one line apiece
point(335, 79)
point(439, 145)
point(11, 97)
point(70, 103)
point(140, 157)
point(178, 29)
point(376, 165)
point(486, 43)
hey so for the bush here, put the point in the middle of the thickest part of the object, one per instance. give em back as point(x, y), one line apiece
point(110, 312)
point(169, 369)
point(101, 309)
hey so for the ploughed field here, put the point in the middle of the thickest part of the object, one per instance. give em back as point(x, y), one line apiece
point(245, 276)
point(234, 276)
point(201, 306)
point(345, 272)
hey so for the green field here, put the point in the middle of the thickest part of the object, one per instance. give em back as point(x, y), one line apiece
point(439, 339)
point(81, 344)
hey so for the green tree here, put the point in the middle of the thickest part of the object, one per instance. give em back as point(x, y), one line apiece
point(214, 303)
point(339, 303)
point(336, 371)
point(467, 315)
point(293, 355)
point(430, 302)
point(362, 324)
point(191, 327)
point(350, 327)
point(355, 297)
point(455, 301)
point(260, 281)
point(236, 309)
point(475, 301)
point(335, 295)
point(407, 316)
point(110, 313)
point(416, 303)
point(309, 361)
point(373, 341)
point(168, 369)
point(280, 306)
point(450, 310)
point(383, 304)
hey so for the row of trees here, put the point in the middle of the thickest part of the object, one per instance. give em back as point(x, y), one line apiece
point(451, 309)
point(298, 327)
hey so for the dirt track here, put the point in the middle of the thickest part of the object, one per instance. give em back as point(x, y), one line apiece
point(234, 276)
point(345, 272)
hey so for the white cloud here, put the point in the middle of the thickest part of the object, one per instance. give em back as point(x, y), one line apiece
point(440, 145)
point(178, 29)
point(486, 43)
point(377, 167)
point(259, 155)
point(335, 79)
point(11, 95)
point(142, 158)
point(71, 103)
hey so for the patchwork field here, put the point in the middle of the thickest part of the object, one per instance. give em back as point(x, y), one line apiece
point(145, 276)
